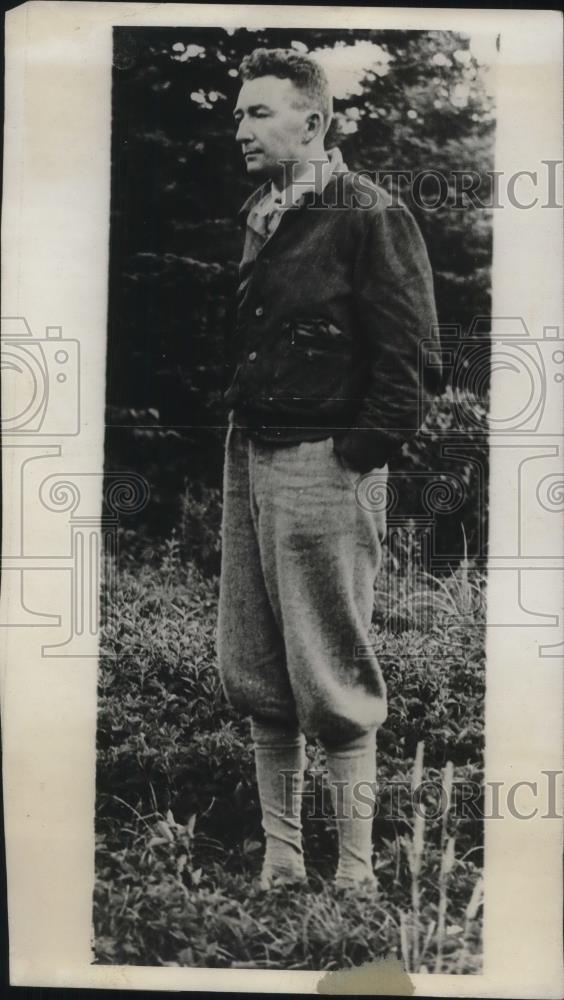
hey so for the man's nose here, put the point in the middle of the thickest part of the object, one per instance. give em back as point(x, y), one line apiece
point(243, 133)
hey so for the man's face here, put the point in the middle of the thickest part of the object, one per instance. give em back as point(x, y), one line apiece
point(269, 128)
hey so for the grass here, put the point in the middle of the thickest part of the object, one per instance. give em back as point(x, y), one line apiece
point(179, 841)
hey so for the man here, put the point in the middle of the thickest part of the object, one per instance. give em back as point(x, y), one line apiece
point(335, 295)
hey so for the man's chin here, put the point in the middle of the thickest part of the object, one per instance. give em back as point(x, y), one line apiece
point(255, 167)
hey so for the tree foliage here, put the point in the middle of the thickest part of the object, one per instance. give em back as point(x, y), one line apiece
point(178, 181)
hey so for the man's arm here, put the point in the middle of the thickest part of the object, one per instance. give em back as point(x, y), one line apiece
point(393, 287)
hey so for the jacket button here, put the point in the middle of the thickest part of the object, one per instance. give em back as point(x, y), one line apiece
point(259, 311)
point(253, 356)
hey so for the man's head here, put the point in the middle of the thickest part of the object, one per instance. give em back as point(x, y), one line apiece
point(283, 110)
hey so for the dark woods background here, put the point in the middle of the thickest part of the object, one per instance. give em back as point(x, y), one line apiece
point(177, 182)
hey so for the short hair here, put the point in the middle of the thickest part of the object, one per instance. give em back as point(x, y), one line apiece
point(305, 73)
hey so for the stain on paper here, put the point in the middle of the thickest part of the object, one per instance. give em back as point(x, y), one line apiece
point(385, 978)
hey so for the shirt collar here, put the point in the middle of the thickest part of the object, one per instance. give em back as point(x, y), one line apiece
point(314, 179)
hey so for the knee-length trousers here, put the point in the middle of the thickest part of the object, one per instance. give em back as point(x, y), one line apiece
point(300, 555)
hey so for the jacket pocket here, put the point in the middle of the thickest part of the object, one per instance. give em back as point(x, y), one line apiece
point(315, 336)
point(311, 361)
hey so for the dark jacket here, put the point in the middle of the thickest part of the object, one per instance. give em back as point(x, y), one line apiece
point(332, 312)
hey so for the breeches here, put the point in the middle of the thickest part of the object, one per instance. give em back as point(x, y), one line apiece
point(299, 558)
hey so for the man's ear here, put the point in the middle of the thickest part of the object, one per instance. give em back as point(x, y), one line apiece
point(313, 126)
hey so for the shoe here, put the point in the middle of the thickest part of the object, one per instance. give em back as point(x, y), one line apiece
point(270, 880)
point(367, 884)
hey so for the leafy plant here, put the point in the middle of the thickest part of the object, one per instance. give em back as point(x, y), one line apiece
point(178, 819)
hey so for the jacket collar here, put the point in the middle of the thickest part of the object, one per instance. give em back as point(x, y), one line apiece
point(254, 199)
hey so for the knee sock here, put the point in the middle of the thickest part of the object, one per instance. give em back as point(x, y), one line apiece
point(352, 775)
point(280, 761)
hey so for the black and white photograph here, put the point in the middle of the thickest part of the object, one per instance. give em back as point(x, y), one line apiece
point(290, 729)
point(281, 605)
